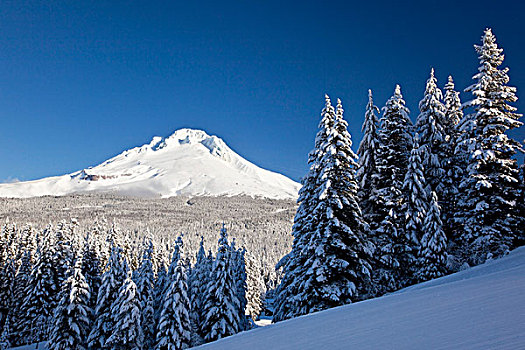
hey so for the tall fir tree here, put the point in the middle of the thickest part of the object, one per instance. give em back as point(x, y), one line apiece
point(415, 208)
point(222, 304)
point(91, 269)
point(72, 316)
point(367, 171)
point(41, 293)
point(63, 252)
point(4, 243)
point(392, 254)
point(487, 213)
point(158, 290)
point(453, 161)
point(433, 249)
point(26, 241)
point(174, 328)
point(198, 283)
point(126, 314)
point(333, 259)
point(293, 264)
point(111, 282)
point(254, 287)
point(239, 269)
point(338, 268)
point(145, 289)
point(7, 279)
point(20, 288)
point(431, 129)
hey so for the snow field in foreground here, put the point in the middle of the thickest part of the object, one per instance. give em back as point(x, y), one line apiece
point(480, 308)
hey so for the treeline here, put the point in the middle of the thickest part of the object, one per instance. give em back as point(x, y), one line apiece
point(260, 225)
point(89, 291)
point(417, 202)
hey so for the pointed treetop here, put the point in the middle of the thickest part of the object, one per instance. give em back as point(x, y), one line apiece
point(449, 86)
point(452, 105)
point(339, 112)
point(415, 141)
point(431, 82)
point(489, 51)
point(397, 91)
point(487, 34)
point(328, 103)
point(224, 236)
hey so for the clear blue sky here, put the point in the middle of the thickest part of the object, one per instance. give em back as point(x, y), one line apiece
point(80, 81)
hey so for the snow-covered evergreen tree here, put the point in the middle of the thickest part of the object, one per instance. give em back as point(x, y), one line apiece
point(239, 269)
point(7, 279)
point(8, 243)
point(72, 316)
point(26, 241)
point(415, 190)
point(198, 283)
point(91, 269)
point(126, 313)
point(431, 129)
point(432, 254)
point(4, 243)
point(221, 304)
point(98, 237)
point(254, 287)
point(487, 213)
point(41, 294)
point(63, 252)
point(158, 290)
point(111, 282)
point(368, 151)
point(338, 268)
point(145, 285)
point(392, 254)
point(453, 162)
point(293, 264)
point(18, 318)
point(174, 328)
point(334, 264)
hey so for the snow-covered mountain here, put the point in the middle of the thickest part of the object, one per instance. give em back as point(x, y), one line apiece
point(189, 162)
point(479, 308)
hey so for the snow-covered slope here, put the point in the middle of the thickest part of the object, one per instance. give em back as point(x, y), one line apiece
point(479, 308)
point(189, 162)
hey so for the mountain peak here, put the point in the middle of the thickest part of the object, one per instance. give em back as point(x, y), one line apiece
point(188, 162)
point(188, 137)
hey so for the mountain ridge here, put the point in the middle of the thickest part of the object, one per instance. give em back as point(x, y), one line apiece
point(188, 162)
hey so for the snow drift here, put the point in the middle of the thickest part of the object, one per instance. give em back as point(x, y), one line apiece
point(189, 162)
point(480, 308)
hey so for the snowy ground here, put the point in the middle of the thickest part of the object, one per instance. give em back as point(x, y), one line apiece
point(480, 308)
